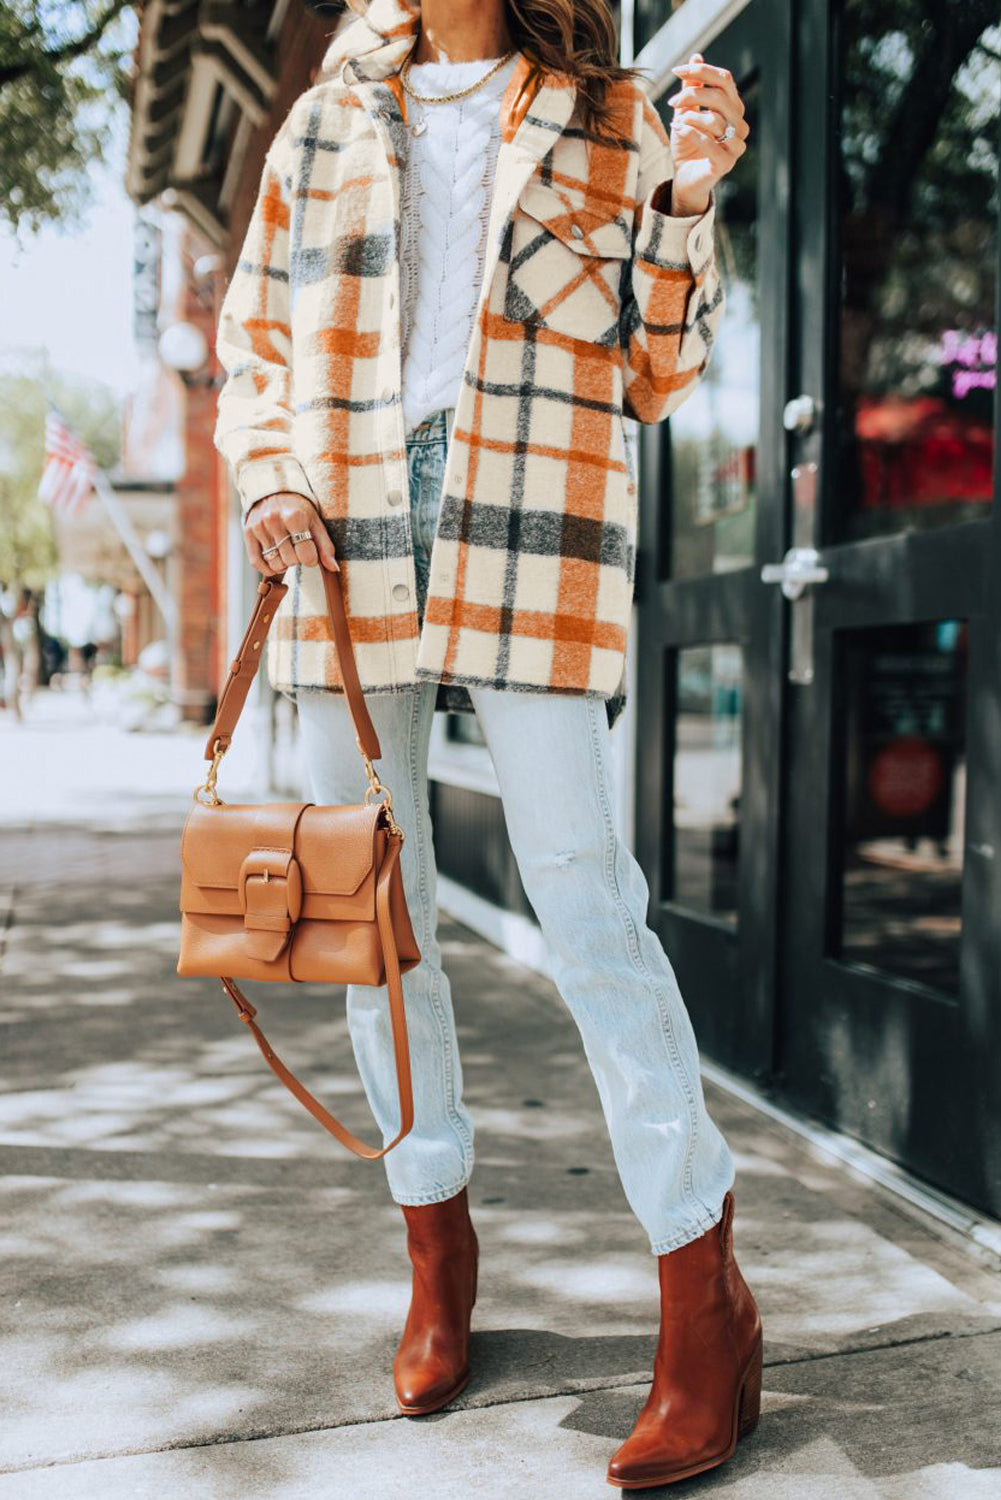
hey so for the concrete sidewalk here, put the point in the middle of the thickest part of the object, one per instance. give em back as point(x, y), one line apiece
point(202, 1294)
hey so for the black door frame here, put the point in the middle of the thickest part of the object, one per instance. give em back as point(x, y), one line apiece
point(728, 977)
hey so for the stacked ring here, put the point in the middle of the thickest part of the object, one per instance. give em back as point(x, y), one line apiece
point(290, 536)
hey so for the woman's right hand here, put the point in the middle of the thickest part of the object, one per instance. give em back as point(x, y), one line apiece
point(274, 518)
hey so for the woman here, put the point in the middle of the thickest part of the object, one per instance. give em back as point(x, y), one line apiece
point(474, 249)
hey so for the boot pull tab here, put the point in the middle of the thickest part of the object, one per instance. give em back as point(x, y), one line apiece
point(726, 1226)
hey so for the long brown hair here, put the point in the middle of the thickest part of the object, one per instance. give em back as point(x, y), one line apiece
point(576, 37)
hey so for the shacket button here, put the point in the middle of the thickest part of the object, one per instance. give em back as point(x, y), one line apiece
point(698, 242)
point(576, 231)
point(387, 393)
point(395, 497)
point(400, 591)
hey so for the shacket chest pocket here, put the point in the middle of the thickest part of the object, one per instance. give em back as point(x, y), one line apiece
point(566, 264)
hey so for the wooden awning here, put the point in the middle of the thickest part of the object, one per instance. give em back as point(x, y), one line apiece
point(206, 74)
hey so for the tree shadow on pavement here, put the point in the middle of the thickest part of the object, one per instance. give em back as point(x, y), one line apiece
point(188, 1259)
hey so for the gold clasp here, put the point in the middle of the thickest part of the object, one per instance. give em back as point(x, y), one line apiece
point(211, 797)
point(375, 790)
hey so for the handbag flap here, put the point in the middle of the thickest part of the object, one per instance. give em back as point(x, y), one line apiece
point(334, 846)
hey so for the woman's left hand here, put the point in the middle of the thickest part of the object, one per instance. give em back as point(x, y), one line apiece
point(704, 107)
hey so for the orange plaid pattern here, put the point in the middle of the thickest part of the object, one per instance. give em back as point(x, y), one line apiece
point(594, 305)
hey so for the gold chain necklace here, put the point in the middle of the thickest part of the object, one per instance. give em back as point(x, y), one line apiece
point(420, 125)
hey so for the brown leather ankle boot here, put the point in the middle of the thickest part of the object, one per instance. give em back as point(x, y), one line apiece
point(432, 1361)
point(706, 1390)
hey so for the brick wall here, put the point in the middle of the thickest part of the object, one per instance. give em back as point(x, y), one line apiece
point(198, 592)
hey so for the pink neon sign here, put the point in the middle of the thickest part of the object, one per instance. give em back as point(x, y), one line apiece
point(973, 358)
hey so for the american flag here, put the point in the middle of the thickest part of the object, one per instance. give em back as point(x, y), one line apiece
point(68, 474)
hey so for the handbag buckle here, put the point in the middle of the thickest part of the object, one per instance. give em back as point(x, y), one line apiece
point(270, 887)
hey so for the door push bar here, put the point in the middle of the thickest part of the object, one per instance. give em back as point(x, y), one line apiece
point(800, 566)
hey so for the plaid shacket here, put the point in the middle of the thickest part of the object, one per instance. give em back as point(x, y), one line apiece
point(593, 304)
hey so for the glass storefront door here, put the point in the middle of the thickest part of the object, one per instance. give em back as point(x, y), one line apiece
point(819, 587)
point(890, 981)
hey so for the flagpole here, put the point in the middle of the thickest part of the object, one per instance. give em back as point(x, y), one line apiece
point(148, 572)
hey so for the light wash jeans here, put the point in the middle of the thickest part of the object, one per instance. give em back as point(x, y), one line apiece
point(590, 897)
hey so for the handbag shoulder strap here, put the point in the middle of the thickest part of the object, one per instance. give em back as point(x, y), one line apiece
point(401, 1045)
point(243, 668)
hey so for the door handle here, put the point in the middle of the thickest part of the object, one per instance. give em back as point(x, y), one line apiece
point(799, 567)
point(800, 414)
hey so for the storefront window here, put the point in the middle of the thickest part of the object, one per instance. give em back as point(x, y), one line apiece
point(712, 437)
point(903, 788)
point(917, 211)
point(707, 779)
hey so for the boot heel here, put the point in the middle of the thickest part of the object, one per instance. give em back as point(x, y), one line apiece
point(750, 1397)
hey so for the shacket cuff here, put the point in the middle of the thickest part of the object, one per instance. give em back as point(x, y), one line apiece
point(676, 241)
point(268, 476)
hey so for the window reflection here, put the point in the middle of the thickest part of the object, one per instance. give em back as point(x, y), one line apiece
point(713, 436)
point(707, 778)
point(903, 796)
point(918, 204)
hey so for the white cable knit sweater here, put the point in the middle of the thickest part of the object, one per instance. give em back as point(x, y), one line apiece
point(445, 207)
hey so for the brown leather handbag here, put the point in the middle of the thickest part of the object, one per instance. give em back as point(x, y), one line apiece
point(293, 892)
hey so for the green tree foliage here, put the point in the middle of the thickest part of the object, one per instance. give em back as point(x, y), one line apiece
point(62, 69)
point(27, 547)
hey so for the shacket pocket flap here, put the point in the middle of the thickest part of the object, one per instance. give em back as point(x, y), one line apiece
point(585, 230)
point(566, 266)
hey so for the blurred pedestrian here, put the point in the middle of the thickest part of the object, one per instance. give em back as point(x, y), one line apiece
point(22, 657)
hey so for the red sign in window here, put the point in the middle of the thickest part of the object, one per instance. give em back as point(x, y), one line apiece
point(906, 777)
